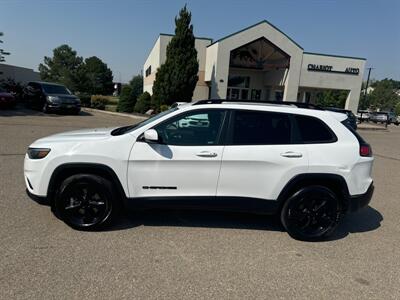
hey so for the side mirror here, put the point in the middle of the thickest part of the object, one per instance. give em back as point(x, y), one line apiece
point(151, 136)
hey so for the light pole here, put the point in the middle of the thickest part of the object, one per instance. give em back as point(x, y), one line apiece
point(366, 87)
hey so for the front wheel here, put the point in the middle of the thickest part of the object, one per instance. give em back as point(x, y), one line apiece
point(312, 213)
point(86, 202)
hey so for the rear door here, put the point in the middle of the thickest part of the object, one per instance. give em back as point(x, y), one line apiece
point(187, 160)
point(260, 155)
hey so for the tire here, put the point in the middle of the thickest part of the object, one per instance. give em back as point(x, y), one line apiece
point(311, 214)
point(86, 202)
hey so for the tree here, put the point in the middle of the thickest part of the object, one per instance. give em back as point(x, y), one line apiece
point(2, 52)
point(397, 109)
point(64, 67)
point(333, 98)
point(177, 77)
point(137, 86)
point(130, 94)
point(384, 94)
point(143, 103)
point(126, 102)
point(97, 77)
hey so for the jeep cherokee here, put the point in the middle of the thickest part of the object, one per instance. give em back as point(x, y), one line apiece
point(295, 160)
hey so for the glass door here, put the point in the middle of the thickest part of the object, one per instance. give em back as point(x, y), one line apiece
point(238, 87)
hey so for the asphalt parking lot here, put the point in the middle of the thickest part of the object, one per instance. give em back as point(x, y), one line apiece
point(190, 255)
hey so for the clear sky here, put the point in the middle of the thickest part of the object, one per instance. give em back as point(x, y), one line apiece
point(122, 33)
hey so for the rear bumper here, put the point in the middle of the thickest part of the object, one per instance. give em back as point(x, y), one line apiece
point(359, 201)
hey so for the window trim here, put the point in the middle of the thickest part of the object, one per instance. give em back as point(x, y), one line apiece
point(220, 141)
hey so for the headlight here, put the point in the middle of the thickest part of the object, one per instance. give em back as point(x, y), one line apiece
point(53, 99)
point(38, 153)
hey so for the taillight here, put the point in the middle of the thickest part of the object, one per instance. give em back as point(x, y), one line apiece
point(365, 150)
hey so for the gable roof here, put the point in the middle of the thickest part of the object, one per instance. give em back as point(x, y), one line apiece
point(263, 21)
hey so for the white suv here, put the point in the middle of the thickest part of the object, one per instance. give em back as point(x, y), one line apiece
point(301, 163)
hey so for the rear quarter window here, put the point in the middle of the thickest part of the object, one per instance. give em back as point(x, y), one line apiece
point(313, 130)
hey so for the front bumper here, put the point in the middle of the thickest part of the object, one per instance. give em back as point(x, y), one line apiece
point(42, 200)
point(359, 201)
point(64, 107)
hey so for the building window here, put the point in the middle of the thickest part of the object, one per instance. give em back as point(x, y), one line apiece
point(148, 71)
point(255, 94)
point(239, 81)
point(238, 87)
point(278, 96)
point(307, 97)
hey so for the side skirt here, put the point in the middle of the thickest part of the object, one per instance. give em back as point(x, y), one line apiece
point(236, 204)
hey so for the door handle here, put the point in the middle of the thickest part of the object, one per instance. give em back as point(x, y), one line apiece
point(291, 154)
point(207, 154)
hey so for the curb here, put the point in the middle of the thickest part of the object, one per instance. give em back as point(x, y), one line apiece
point(115, 113)
point(373, 128)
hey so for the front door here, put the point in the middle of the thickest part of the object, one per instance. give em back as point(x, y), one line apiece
point(186, 161)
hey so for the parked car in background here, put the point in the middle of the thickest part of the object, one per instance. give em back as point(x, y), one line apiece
point(351, 120)
point(379, 117)
point(393, 119)
point(363, 115)
point(7, 100)
point(51, 97)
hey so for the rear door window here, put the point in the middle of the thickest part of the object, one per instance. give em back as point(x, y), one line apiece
point(314, 131)
point(260, 128)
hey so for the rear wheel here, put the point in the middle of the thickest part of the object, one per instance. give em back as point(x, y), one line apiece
point(312, 213)
point(86, 202)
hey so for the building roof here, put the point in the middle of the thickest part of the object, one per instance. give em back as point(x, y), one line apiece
point(276, 28)
point(254, 25)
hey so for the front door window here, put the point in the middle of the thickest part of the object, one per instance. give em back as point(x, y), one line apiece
point(198, 128)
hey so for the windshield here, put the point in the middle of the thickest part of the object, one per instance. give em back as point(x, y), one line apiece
point(55, 89)
point(125, 129)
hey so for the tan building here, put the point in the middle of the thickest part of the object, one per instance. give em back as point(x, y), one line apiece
point(262, 63)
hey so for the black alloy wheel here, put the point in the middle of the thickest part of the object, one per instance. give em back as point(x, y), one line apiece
point(85, 202)
point(311, 214)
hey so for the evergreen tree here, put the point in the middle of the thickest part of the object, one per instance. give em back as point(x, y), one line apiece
point(2, 52)
point(64, 67)
point(143, 103)
point(177, 77)
point(130, 94)
point(98, 78)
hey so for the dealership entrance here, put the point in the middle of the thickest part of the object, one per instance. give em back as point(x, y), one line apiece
point(257, 71)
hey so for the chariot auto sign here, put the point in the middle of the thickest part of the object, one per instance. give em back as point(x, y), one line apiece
point(329, 69)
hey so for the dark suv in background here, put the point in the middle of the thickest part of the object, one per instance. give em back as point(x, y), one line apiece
point(51, 97)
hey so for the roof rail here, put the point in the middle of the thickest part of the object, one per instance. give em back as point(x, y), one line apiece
point(289, 103)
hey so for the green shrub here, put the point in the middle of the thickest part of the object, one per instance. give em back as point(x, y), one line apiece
point(143, 103)
point(164, 107)
point(111, 107)
point(99, 101)
point(127, 100)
